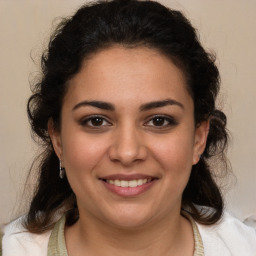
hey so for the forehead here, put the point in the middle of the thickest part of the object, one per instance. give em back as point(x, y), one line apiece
point(124, 74)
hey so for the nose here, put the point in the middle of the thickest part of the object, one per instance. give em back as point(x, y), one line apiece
point(128, 147)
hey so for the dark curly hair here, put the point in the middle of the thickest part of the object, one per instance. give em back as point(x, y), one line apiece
point(130, 23)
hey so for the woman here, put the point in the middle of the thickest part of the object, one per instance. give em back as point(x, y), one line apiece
point(126, 111)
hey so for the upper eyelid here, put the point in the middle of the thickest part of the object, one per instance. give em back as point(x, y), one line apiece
point(162, 116)
point(148, 119)
point(95, 116)
point(90, 117)
point(170, 119)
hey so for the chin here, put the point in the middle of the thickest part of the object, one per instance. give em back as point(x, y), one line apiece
point(129, 218)
point(130, 223)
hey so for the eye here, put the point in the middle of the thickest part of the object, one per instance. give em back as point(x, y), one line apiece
point(160, 121)
point(95, 122)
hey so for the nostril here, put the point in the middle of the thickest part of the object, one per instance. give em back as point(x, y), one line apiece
point(127, 153)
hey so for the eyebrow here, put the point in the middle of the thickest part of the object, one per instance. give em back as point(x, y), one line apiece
point(160, 104)
point(96, 104)
point(147, 106)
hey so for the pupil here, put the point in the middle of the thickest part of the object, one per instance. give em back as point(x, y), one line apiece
point(97, 121)
point(158, 121)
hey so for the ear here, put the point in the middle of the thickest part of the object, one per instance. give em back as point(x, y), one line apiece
point(55, 138)
point(201, 135)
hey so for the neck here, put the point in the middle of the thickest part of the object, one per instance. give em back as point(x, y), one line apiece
point(165, 237)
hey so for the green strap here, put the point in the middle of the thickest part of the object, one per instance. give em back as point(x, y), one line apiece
point(199, 247)
point(57, 245)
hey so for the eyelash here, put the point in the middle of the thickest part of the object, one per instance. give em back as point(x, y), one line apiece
point(85, 122)
point(167, 122)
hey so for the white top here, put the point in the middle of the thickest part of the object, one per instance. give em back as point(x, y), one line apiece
point(229, 237)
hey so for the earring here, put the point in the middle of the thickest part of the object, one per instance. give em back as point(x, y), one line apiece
point(62, 171)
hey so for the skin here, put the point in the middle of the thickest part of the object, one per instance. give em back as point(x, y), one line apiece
point(129, 140)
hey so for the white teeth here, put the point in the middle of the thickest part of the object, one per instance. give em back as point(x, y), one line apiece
point(130, 184)
point(140, 182)
point(117, 183)
point(124, 183)
point(133, 183)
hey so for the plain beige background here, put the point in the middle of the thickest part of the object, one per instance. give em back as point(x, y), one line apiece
point(227, 27)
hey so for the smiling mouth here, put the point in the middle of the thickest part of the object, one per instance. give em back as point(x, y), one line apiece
point(128, 184)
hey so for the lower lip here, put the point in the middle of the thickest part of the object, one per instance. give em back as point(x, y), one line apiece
point(129, 192)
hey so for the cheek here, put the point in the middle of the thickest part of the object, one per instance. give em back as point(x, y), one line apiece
point(174, 152)
point(174, 155)
point(82, 153)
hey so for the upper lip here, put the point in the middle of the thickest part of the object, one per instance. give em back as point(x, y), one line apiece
point(127, 177)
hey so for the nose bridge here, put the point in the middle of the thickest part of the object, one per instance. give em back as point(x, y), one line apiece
point(128, 145)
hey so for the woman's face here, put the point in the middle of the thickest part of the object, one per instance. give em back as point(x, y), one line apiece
point(128, 138)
